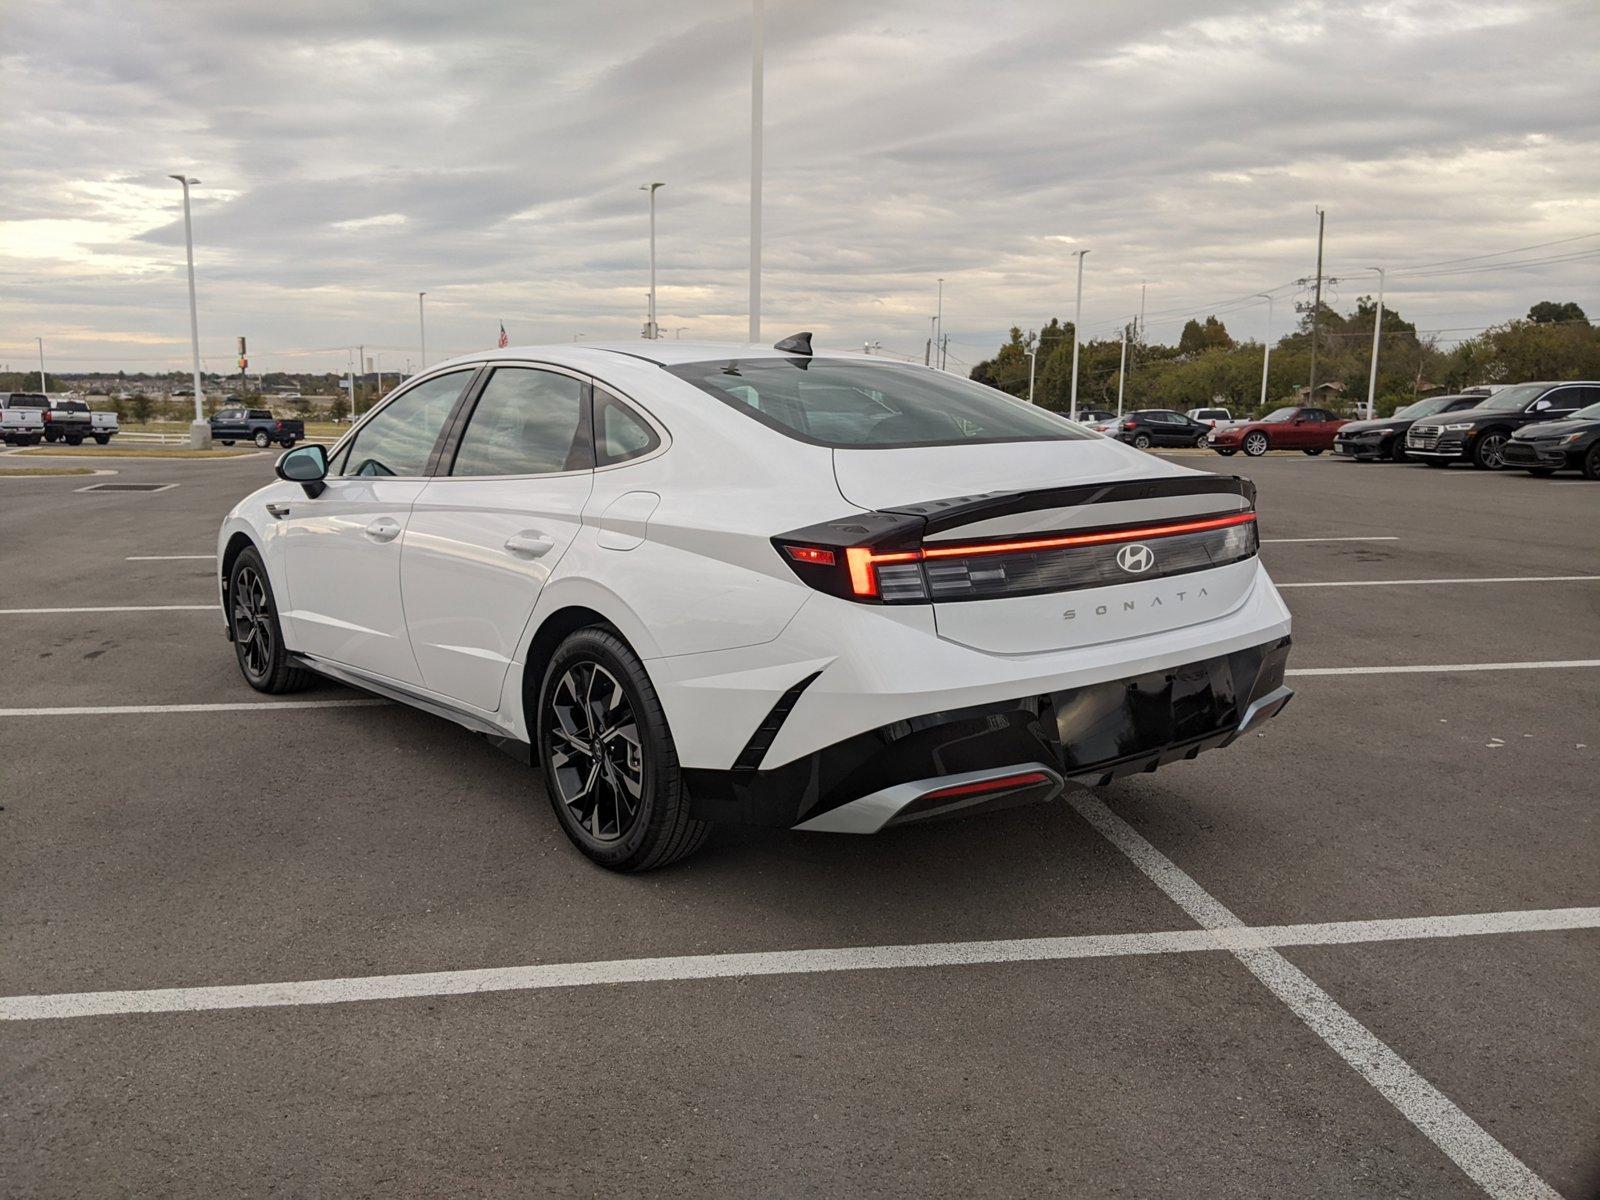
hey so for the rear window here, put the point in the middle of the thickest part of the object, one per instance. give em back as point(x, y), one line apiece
point(850, 405)
point(25, 400)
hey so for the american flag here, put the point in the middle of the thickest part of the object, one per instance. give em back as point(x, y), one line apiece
point(504, 340)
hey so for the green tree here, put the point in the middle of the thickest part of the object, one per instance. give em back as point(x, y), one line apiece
point(1199, 339)
point(1548, 312)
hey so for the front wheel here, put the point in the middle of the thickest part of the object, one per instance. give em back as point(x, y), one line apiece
point(1397, 451)
point(262, 439)
point(257, 636)
point(1141, 441)
point(226, 441)
point(1490, 452)
point(610, 765)
point(1311, 453)
point(1591, 462)
point(1256, 444)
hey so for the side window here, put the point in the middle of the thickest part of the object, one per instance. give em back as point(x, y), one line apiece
point(400, 437)
point(527, 422)
point(260, 414)
point(619, 432)
point(1565, 399)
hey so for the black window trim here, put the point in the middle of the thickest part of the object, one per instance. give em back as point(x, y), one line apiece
point(443, 464)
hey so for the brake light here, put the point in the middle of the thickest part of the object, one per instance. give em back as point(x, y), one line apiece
point(277, 425)
point(864, 566)
point(1130, 424)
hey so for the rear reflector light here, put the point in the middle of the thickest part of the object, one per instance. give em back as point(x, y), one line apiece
point(1003, 783)
point(811, 554)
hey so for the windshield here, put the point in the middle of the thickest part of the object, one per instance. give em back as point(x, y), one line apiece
point(1280, 414)
point(849, 405)
point(1426, 408)
point(1592, 413)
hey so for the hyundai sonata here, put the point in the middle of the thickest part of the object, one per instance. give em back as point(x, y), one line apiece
point(699, 583)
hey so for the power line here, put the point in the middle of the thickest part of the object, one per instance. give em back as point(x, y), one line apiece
point(1444, 262)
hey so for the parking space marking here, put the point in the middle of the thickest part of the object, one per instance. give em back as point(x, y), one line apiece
point(129, 710)
point(1285, 541)
point(1418, 582)
point(1236, 938)
point(1425, 669)
point(1474, 1149)
point(109, 608)
point(164, 557)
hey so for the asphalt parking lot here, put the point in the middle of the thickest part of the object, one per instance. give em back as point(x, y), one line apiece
point(1047, 1036)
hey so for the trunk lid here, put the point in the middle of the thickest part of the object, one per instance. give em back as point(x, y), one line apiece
point(1040, 546)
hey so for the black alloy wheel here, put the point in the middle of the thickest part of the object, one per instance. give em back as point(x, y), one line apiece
point(1256, 444)
point(1591, 462)
point(1397, 449)
point(257, 636)
point(609, 762)
point(1490, 452)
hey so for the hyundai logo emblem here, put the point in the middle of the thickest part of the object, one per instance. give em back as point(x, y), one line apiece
point(1136, 559)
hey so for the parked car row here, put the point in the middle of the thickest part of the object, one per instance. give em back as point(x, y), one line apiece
point(28, 418)
point(256, 425)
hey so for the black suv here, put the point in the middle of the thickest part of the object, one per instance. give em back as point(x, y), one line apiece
point(1148, 427)
point(1547, 447)
point(1386, 436)
point(1479, 435)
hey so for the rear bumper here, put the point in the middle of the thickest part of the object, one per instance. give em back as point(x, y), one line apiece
point(1028, 748)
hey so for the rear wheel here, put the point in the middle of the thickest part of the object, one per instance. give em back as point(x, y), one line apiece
point(103, 438)
point(610, 765)
point(1591, 462)
point(226, 441)
point(262, 439)
point(1490, 452)
point(1141, 441)
point(75, 439)
point(1256, 444)
point(257, 636)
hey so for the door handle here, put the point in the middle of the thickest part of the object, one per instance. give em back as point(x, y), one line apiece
point(384, 529)
point(530, 543)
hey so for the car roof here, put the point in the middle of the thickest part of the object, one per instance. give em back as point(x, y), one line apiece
point(664, 353)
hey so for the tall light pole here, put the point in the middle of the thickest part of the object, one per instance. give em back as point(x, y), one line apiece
point(199, 431)
point(422, 331)
point(1033, 353)
point(1377, 328)
point(1122, 369)
point(755, 170)
point(652, 330)
point(1077, 335)
point(43, 391)
point(1266, 347)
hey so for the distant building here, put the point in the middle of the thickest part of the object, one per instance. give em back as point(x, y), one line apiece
point(1327, 394)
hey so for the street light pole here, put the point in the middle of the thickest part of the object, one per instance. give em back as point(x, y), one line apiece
point(1077, 335)
point(422, 330)
point(1033, 353)
point(1122, 369)
point(199, 431)
point(1266, 347)
point(652, 330)
point(43, 391)
point(756, 51)
point(1377, 329)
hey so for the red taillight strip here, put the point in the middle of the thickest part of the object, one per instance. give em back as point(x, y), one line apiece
point(1004, 783)
point(861, 559)
point(1091, 539)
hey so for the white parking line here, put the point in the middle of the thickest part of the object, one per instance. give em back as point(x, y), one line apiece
point(1471, 1147)
point(1284, 541)
point(130, 710)
point(212, 607)
point(1415, 582)
point(164, 557)
point(1555, 665)
point(1235, 938)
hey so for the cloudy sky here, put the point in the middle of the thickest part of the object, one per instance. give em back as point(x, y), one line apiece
point(353, 154)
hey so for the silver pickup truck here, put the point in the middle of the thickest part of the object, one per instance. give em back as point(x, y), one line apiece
point(71, 421)
point(22, 417)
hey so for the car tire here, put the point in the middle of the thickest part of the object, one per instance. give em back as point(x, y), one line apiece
point(257, 634)
point(103, 438)
point(1227, 453)
point(1591, 462)
point(50, 437)
point(226, 441)
point(589, 772)
point(74, 441)
point(1541, 472)
point(287, 443)
point(1397, 450)
point(1489, 453)
point(1257, 444)
point(1436, 462)
point(1311, 453)
point(262, 439)
point(1141, 441)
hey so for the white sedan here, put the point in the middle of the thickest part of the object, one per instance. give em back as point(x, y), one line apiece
point(697, 583)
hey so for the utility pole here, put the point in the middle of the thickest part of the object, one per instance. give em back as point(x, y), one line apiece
point(944, 350)
point(243, 363)
point(43, 391)
point(1138, 329)
point(350, 384)
point(652, 330)
point(939, 319)
point(755, 170)
point(1122, 371)
point(1033, 353)
point(361, 365)
point(1316, 310)
point(1266, 349)
point(1377, 328)
point(1077, 336)
point(422, 330)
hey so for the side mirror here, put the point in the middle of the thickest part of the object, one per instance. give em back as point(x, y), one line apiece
point(306, 465)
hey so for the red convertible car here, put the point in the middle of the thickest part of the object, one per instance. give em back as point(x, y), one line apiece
point(1308, 429)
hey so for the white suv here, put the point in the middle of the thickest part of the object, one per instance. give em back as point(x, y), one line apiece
point(701, 583)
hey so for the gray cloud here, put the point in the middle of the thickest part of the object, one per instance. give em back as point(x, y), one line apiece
point(490, 153)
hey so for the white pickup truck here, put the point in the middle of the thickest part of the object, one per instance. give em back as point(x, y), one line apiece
point(22, 417)
point(72, 420)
